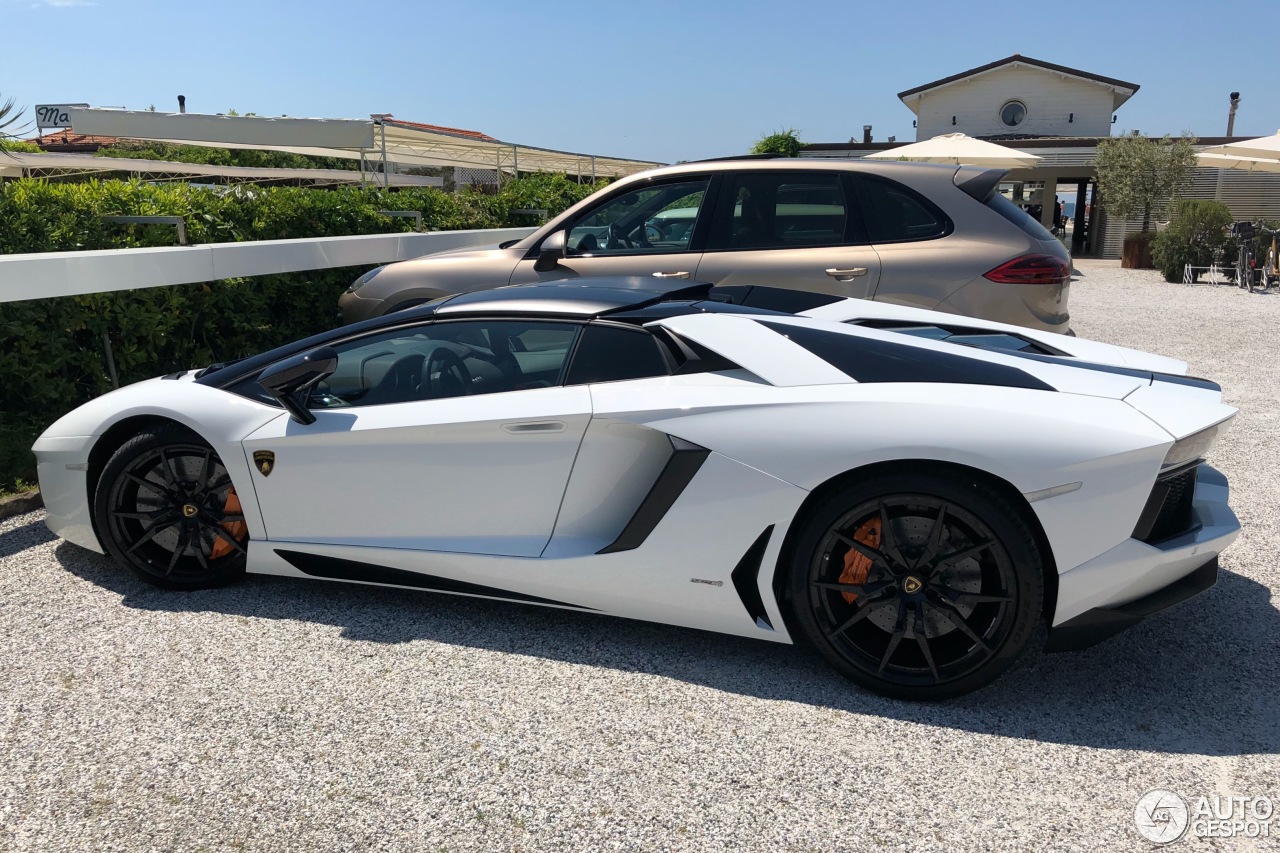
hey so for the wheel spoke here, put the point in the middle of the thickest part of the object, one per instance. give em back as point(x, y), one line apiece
point(153, 485)
point(867, 589)
point(231, 540)
point(957, 556)
point(199, 546)
point(888, 541)
point(935, 537)
point(153, 515)
point(979, 599)
point(898, 632)
point(862, 613)
point(205, 470)
point(878, 557)
point(183, 539)
point(923, 641)
point(169, 476)
point(955, 617)
point(150, 533)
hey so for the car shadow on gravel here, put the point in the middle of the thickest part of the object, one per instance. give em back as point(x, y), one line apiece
point(23, 537)
point(1199, 679)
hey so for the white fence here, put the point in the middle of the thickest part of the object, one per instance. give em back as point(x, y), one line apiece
point(48, 274)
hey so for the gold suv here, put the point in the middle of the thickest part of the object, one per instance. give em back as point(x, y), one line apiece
point(930, 236)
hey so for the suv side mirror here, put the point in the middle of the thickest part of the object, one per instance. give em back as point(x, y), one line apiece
point(550, 252)
point(290, 380)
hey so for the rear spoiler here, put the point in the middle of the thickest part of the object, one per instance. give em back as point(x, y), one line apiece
point(979, 182)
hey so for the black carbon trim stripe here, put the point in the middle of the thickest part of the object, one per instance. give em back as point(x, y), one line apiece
point(871, 360)
point(685, 460)
point(746, 580)
point(336, 568)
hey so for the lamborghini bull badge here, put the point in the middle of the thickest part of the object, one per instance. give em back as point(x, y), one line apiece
point(264, 461)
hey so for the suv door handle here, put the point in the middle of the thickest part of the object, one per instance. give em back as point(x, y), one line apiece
point(671, 275)
point(847, 274)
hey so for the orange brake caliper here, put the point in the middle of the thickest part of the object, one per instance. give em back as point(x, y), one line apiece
point(857, 566)
point(237, 529)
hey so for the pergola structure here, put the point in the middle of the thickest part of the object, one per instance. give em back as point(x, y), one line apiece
point(21, 164)
point(380, 139)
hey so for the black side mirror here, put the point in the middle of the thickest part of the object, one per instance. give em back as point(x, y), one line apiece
point(550, 252)
point(290, 380)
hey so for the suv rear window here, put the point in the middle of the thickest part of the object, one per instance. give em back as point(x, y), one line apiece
point(896, 214)
point(1019, 217)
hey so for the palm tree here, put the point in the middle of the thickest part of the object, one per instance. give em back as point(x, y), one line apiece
point(9, 118)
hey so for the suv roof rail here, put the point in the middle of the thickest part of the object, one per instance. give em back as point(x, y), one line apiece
point(739, 157)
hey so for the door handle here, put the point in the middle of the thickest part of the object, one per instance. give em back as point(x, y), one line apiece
point(671, 275)
point(847, 274)
point(527, 427)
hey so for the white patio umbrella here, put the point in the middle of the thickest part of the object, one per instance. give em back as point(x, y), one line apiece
point(1245, 164)
point(1264, 147)
point(960, 150)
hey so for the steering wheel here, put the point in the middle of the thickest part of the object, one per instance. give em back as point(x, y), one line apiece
point(445, 375)
point(617, 239)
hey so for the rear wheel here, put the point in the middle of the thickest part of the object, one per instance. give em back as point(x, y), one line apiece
point(917, 586)
point(166, 508)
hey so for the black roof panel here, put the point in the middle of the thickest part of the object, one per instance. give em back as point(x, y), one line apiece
point(579, 297)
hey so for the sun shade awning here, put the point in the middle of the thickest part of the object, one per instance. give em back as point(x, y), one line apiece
point(401, 142)
point(959, 150)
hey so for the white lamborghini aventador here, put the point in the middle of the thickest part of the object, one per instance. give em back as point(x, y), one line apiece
point(909, 491)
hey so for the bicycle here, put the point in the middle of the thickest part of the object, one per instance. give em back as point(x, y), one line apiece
point(1270, 271)
point(1244, 232)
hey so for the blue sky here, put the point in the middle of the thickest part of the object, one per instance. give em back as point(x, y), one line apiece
point(654, 80)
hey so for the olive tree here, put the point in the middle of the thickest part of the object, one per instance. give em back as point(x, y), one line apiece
point(1137, 174)
point(785, 142)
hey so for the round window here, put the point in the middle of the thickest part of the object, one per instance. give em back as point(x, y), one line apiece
point(1013, 113)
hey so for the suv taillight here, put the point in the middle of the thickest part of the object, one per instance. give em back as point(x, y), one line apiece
point(1031, 269)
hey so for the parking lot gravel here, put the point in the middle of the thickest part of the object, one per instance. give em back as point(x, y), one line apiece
point(292, 715)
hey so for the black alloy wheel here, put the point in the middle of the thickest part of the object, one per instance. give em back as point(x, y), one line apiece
point(166, 508)
point(917, 587)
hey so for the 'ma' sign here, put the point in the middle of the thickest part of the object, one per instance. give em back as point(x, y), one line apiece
point(50, 116)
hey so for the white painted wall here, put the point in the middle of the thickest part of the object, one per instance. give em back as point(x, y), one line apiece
point(1050, 98)
point(46, 274)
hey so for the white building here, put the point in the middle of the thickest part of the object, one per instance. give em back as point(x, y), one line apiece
point(1059, 114)
point(1019, 96)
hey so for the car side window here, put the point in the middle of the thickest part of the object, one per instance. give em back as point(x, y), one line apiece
point(447, 359)
point(615, 353)
point(652, 219)
point(897, 214)
point(784, 210)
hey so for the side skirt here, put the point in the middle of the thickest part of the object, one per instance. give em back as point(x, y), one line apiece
point(335, 568)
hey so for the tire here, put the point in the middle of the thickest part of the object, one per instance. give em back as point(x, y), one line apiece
point(166, 508)
point(978, 586)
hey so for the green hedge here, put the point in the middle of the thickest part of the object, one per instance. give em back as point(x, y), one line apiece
point(51, 350)
point(1197, 231)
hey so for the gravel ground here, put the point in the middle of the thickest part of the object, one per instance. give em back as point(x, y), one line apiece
point(286, 715)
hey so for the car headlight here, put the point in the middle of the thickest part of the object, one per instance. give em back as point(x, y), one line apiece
point(1194, 446)
point(365, 279)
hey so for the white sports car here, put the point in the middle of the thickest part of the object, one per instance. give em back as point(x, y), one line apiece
point(909, 491)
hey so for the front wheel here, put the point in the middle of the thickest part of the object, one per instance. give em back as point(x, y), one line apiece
point(166, 508)
point(917, 586)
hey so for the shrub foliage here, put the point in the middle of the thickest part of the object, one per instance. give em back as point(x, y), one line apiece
point(51, 350)
point(1197, 231)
